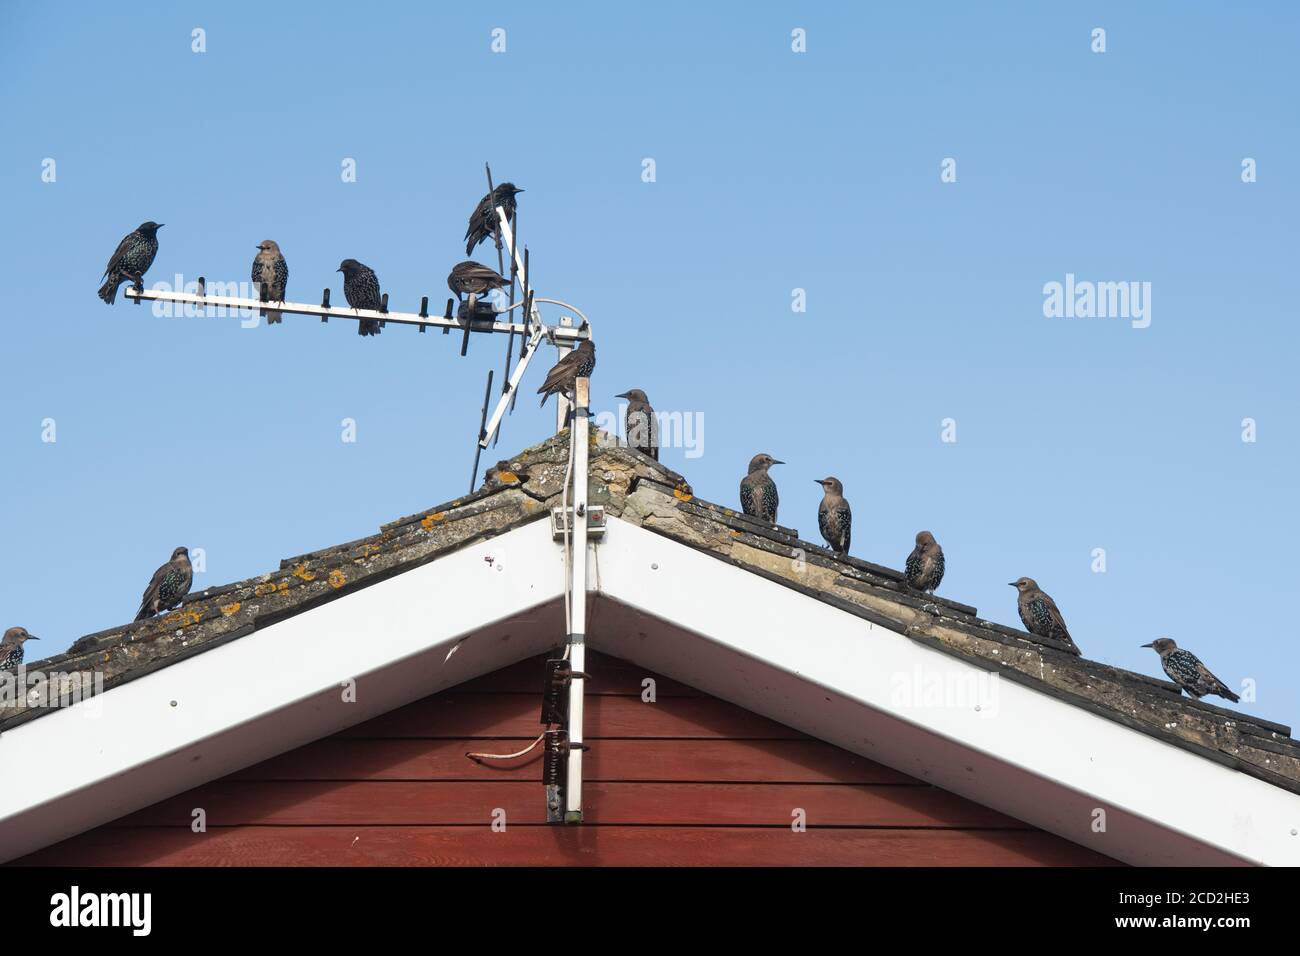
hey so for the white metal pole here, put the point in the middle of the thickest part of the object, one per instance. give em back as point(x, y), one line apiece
point(577, 602)
point(562, 404)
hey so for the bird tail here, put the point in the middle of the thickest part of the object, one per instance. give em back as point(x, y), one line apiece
point(545, 396)
point(273, 318)
point(368, 327)
point(108, 291)
point(144, 613)
point(1227, 694)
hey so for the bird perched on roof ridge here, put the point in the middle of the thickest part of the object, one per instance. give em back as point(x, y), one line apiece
point(1186, 670)
point(639, 423)
point(579, 363)
point(483, 221)
point(270, 276)
point(131, 260)
point(361, 289)
point(834, 517)
point(168, 585)
point(924, 568)
point(474, 278)
point(11, 647)
point(1039, 613)
point(758, 497)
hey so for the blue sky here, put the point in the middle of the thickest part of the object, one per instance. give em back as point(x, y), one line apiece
point(775, 170)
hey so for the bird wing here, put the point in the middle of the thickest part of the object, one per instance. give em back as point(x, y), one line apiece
point(1055, 613)
point(118, 254)
point(155, 583)
point(560, 374)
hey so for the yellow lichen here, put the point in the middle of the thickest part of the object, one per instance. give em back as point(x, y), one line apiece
point(184, 618)
point(428, 523)
point(337, 579)
point(303, 574)
point(507, 477)
point(681, 495)
point(229, 609)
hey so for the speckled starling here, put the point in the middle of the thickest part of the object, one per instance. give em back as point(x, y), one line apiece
point(1186, 670)
point(834, 517)
point(168, 585)
point(758, 497)
point(474, 278)
point(579, 363)
point(483, 221)
point(131, 260)
point(11, 647)
point(1040, 614)
point(924, 568)
point(361, 289)
point(270, 276)
point(639, 423)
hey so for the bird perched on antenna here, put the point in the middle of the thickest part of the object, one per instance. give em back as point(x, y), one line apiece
point(11, 647)
point(361, 289)
point(483, 221)
point(131, 260)
point(270, 276)
point(758, 497)
point(474, 278)
point(639, 423)
point(834, 517)
point(563, 377)
point(1040, 614)
point(1186, 670)
point(924, 568)
point(168, 585)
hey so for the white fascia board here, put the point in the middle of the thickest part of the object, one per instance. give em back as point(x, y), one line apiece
point(863, 687)
point(280, 687)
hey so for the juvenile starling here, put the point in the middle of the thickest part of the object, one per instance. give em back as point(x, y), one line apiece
point(924, 568)
point(483, 221)
point(270, 276)
point(639, 423)
point(1186, 670)
point(834, 517)
point(758, 497)
point(473, 278)
point(11, 647)
point(168, 585)
point(131, 260)
point(563, 377)
point(1040, 614)
point(361, 289)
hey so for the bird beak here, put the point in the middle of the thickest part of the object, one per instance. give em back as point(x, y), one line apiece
point(32, 637)
point(1152, 644)
point(1011, 584)
point(161, 224)
point(817, 481)
point(777, 461)
point(621, 395)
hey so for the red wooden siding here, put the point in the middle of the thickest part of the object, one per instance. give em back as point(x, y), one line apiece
point(688, 779)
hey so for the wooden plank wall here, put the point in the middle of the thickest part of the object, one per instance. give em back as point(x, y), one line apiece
point(685, 780)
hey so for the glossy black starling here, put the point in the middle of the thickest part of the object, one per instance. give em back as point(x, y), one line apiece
point(361, 289)
point(1040, 614)
point(758, 497)
point(577, 364)
point(270, 276)
point(834, 517)
point(474, 278)
point(924, 568)
point(168, 585)
point(11, 647)
point(1186, 670)
point(483, 222)
point(131, 260)
point(639, 423)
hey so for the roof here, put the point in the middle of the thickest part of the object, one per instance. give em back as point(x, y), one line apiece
point(644, 497)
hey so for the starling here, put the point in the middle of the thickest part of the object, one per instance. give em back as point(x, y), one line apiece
point(1186, 670)
point(168, 585)
point(483, 221)
point(924, 568)
point(474, 278)
point(1040, 613)
point(131, 260)
point(270, 276)
point(758, 497)
point(639, 423)
point(11, 647)
point(834, 517)
point(361, 289)
point(563, 377)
